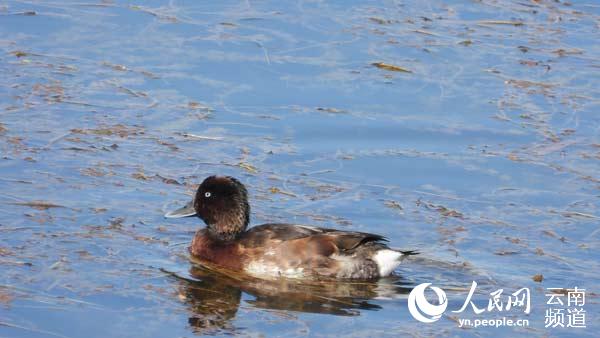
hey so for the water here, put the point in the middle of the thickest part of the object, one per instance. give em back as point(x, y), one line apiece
point(484, 157)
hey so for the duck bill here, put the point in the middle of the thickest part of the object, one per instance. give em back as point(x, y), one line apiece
point(185, 211)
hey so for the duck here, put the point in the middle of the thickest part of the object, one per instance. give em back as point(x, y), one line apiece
point(279, 249)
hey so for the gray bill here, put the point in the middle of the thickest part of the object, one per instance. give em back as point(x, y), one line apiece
point(185, 211)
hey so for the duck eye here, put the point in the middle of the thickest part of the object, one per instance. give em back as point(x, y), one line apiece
point(207, 194)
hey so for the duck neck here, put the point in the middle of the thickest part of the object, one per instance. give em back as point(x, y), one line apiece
point(223, 232)
point(228, 227)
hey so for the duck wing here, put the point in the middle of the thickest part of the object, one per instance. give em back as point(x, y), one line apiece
point(279, 232)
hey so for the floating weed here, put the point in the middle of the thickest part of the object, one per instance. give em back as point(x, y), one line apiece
point(132, 92)
point(380, 21)
point(19, 53)
point(119, 130)
point(505, 252)
point(5, 297)
point(116, 67)
point(500, 22)
point(155, 13)
point(391, 67)
point(201, 137)
point(421, 31)
point(248, 167)
point(442, 210)
point(565, 52)
point(140, 176)
point(94, 172)
point(393, 205)
point(275, 190)
point(167, 180)
point(525, 84)
point(199, 106)
point(39, 205)
point(331, 110)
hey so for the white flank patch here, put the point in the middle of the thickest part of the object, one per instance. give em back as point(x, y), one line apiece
point(387, 260)
point(262, 269)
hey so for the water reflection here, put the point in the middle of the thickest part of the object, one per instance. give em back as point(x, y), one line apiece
point(213, 297)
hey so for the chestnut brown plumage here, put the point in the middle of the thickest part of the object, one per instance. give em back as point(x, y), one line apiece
point(278, 249)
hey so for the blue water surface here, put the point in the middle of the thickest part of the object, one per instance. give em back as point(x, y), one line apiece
point(480, 149)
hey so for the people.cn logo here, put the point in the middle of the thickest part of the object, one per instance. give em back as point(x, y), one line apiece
point(421, 309)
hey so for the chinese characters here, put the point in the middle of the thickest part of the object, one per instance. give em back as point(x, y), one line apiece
point(520, 298)
point(571, 309)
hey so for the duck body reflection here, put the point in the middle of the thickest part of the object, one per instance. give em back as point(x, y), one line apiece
point(213, 295)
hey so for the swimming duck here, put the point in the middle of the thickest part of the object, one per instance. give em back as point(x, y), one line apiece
point(279, 249)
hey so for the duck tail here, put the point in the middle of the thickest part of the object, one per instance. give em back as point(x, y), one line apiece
point(408, 252)
point(388, 259)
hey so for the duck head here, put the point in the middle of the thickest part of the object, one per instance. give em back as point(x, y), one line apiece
point(222, 203)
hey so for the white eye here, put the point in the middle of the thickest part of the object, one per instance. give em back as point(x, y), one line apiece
point(207, 194)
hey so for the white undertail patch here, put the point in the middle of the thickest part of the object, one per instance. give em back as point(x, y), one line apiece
point(387, 260)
